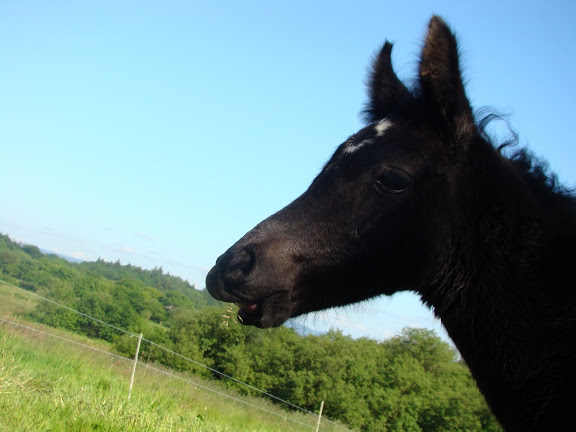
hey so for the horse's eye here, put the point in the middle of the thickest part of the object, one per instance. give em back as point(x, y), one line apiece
point(392, 182)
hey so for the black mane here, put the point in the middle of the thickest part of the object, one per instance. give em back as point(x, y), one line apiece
point(542, 180)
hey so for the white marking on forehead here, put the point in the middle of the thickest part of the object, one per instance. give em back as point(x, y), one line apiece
point(351, 147)
point(382, 126)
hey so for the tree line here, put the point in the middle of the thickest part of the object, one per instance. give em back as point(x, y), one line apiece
point(411, 382)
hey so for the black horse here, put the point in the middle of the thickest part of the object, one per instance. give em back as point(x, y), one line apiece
point(421, 200)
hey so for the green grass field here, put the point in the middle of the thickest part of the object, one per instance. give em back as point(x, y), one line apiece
point(49, 384)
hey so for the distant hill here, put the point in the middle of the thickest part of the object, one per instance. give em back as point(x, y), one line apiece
point(302, 330)
point(67, 258)
point(143, 295)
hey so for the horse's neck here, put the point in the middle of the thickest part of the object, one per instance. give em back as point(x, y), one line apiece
point(501, 301)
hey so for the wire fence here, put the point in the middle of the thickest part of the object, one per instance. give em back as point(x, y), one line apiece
point(172, 375)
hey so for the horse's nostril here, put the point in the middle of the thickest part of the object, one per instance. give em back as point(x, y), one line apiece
point(239, 266)
point(242, 261)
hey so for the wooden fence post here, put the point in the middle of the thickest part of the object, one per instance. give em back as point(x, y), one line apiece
point(134, 366)
point(320, 416)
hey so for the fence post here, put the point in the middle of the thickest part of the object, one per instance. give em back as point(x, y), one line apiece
point(320, 416)
point(134, 366)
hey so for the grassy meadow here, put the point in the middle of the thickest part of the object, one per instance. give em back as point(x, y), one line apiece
point(49, 384)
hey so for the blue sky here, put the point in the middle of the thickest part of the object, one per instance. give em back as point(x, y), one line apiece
point(158, 133)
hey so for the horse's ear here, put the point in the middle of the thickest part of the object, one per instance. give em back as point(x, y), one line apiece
point(441, 84)
point(385, 90)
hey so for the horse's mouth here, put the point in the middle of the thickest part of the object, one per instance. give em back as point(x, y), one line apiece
point(249, 312)
point(272, 311)
point(259, 304)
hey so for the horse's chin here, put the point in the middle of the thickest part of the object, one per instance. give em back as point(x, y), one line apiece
point(273, 311)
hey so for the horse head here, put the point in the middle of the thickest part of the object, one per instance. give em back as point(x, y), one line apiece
point(372, 220)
